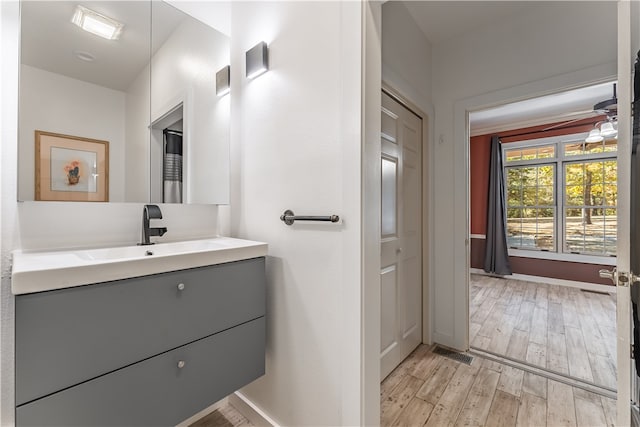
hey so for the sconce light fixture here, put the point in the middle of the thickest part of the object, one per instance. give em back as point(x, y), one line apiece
point(223, 81)
point(257, 59)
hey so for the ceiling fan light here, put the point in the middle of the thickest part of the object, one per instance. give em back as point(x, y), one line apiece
point(607, 130)
point(594, 136)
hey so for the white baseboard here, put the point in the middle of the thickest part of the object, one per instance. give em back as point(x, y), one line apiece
point(206, 411)
point(250, 411)
point(561, 282)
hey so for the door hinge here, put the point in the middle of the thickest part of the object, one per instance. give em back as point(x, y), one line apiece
point(632, 353)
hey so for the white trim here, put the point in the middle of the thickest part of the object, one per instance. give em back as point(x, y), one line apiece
point(250, 411)
point(549, 140)
point(426, 170)
point(458, 283)
point(623, 315)
point(523, 124)
point(370, 172)
point(553, 281)
point(556, 256)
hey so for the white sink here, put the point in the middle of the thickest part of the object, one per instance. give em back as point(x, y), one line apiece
point(44, 271)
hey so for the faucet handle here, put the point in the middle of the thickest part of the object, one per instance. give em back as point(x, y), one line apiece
point(153, 211)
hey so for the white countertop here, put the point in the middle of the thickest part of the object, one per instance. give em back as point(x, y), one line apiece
point(45, 271)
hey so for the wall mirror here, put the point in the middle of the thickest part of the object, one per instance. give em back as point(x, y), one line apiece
point(129, 119)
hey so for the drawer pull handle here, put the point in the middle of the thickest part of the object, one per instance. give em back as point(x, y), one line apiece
point(181, 364)
point(181, 286)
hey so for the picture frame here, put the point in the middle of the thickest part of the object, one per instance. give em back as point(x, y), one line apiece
point(71, 168)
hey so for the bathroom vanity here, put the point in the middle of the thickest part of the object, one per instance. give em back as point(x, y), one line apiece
point(148, 349)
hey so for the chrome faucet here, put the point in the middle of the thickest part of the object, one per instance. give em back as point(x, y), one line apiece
point(150, 212)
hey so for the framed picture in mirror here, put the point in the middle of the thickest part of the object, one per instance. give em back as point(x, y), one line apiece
point(71, 168)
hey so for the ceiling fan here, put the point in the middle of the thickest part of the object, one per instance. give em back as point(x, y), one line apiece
point(607, 107)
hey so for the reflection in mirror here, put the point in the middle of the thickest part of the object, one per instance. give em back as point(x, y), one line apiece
point(75, 83)
point(159, 74)
point(188, 121)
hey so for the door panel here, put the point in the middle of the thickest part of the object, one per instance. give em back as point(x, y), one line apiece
point(388, 289)
point(400, 244)
point(389, 196)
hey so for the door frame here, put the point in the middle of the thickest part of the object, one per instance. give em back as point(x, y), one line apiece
point(623, 261)
point(462, 226)
point(426, 271)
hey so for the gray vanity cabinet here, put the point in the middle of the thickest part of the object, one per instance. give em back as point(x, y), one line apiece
point(151, 350)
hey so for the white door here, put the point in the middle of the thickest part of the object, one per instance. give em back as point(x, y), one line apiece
point(401, 227)
point(623, 263)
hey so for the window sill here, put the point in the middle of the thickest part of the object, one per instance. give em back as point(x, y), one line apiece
point(554, 256)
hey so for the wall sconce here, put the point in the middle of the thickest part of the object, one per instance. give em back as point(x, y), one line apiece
point(223, 81)
point(257, 59)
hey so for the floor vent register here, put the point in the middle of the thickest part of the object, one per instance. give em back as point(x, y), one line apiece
point(455, 355)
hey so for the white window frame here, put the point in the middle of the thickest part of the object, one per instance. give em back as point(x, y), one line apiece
point(559, 180)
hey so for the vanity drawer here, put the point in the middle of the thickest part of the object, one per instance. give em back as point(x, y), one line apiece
point(156, 392)
point(68, 336)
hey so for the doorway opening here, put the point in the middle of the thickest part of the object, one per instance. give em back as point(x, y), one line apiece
point(554, 206)
point(167, 154)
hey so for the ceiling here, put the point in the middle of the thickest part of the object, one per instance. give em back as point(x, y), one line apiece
point(49, 39)
point(441, 21)
point(569, 105)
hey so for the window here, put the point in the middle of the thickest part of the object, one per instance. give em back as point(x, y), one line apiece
point(561, 195)
point(531, 207)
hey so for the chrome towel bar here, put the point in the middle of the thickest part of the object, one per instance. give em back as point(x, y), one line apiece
point(288, 217)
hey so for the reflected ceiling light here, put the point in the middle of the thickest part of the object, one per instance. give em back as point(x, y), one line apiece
point(607, 130)
point(223, 81)
point(257, 59)
point(594, 136)
point(96, 23)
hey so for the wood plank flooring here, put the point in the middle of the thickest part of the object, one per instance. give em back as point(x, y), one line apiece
point(431, 390)
point(553, 327)
point(225, 416)
point(428, 389)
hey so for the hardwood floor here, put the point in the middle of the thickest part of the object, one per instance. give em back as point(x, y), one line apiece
point(427, 389)
point(432, 390)
point(554, 327)
point(225, 416)
point(559, 328)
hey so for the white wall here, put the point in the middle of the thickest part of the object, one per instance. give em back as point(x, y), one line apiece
point(9, 33)
point(137, 165)
point(296, 145)
point(55, 103)
point(406, 55)
point(184, 72)
point(549, 41)
point(407, 67)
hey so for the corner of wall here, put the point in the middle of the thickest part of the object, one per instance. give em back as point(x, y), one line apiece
point(9, 36)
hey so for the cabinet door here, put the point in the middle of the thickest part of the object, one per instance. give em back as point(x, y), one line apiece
point(161, 391)
point(68, 336)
